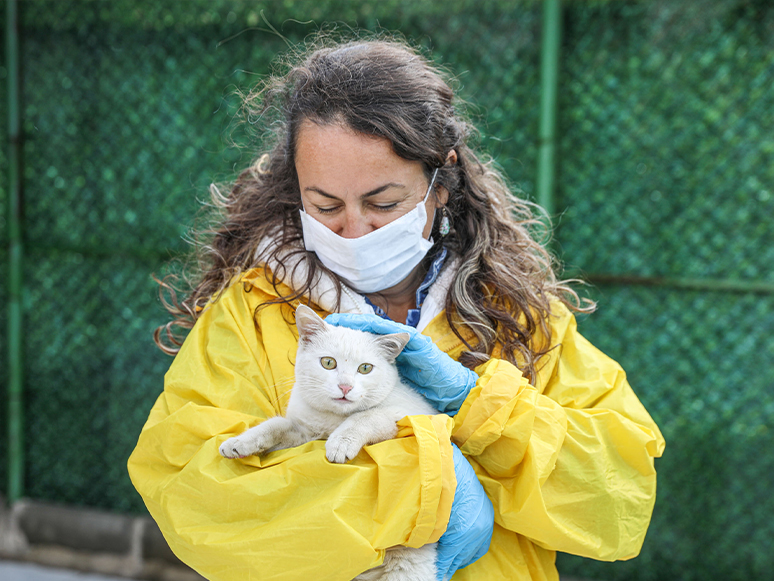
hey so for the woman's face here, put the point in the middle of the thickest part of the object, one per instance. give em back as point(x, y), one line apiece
point(354, 184)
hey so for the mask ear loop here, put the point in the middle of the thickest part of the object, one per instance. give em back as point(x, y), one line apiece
point(430, 187)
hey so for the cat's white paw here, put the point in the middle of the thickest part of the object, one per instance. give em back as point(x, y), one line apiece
point(240, 447)
point(341, 449)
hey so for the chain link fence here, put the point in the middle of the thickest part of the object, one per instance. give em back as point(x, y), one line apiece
point(666, 198)
point(667, 178)
point(4, 178)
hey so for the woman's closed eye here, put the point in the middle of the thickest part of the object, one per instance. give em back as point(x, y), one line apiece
point(385, 207)
point(327, 210)
point(388, 207)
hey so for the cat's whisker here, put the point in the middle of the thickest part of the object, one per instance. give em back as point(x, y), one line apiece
point(281, 389)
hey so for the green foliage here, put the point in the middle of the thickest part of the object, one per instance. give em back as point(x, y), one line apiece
point(666, 170)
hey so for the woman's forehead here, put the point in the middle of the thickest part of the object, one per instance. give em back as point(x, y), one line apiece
point(334, 157)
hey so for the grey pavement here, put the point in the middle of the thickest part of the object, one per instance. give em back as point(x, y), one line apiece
point(16, 571)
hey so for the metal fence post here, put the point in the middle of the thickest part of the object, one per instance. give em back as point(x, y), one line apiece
point(15, 265)
point(549, 76)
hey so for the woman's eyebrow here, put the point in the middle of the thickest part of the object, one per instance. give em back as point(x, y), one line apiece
point(373, 192)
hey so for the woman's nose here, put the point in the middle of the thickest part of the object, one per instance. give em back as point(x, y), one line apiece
point(355, 225)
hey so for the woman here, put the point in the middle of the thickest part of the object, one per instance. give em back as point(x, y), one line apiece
point(370, 203)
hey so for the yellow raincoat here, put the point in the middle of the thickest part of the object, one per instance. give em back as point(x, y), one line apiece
point(568, 464)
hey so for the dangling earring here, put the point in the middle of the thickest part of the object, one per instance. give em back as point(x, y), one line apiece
point(445, 227)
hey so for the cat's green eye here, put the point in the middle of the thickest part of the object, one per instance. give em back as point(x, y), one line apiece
point(328, 362)
point(365, 368)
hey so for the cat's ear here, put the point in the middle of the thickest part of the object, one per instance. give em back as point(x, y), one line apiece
point(393, 344)
point(308, 322)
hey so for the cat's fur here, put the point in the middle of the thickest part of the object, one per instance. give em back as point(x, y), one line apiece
point(349, 408)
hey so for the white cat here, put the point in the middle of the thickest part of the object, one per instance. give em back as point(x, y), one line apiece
point(347, 389)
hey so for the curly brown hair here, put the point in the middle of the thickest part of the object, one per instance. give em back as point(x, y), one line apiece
point(384, 88)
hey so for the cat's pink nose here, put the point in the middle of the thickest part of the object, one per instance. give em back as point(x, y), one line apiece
point(345, 389)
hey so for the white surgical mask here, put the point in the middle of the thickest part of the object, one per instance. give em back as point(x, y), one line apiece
point(377, 260)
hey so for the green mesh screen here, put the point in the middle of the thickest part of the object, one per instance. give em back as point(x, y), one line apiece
point(699, 362)
point(666, 172)
point(666, 119)
point(3, 255)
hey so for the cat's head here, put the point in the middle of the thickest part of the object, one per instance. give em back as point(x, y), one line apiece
point(341, 370)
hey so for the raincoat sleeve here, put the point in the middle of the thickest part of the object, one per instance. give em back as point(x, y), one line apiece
point(569, 464)
point(286, 514)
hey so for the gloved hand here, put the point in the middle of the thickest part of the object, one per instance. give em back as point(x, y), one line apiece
point(471, 523)
point(442, 380)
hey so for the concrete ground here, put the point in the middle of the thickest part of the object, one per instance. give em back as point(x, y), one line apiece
point(15, 571)
point(47, 542)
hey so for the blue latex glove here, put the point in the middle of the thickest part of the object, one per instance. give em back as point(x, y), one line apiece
point(471, 523)
point(442, 380)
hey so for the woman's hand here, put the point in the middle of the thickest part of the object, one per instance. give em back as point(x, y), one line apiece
point(471, 522)
point(442, 380)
